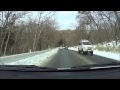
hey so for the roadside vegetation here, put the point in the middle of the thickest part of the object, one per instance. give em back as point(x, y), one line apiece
point(108, 48)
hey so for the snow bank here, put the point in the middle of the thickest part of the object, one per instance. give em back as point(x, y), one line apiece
point(16, 57)
point(112, 43)
point(115, 56)
point(73, 48)
point(35, 60)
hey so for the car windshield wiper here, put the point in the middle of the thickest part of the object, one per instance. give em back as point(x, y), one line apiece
point(25, 68)
point(97, 66)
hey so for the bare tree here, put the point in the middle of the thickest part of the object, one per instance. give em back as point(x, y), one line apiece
point(40, 27)
point(9, 19)
point(103, 23)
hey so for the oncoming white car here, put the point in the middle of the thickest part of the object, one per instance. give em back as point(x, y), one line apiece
point(85, 47)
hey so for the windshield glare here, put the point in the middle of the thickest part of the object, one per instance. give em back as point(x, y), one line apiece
point(59, 39)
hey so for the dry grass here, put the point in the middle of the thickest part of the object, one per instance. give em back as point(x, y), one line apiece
point(108, 48)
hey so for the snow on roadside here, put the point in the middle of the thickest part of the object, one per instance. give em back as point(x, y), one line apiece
point(115, 56)
point(73, 48)
point(35, 60)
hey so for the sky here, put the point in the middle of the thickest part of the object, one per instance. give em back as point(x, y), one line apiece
point(65, 19)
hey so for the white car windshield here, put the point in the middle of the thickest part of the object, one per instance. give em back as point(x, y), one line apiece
point(86, 43)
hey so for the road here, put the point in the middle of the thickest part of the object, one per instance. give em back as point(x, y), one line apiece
point(68, 58)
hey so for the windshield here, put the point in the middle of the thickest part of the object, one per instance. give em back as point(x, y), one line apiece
point(52, 38)
point(86, 43)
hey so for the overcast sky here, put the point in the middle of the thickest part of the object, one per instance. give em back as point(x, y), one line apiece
point(65, 19)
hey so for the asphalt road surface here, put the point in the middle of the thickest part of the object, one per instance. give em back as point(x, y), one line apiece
point(68, 58)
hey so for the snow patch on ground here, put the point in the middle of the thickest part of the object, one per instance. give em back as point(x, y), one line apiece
point(111, 45)
point(73, 48)
point(35, 60)
point(115, 56)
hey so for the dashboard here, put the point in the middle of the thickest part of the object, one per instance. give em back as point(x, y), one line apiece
point(113, 73)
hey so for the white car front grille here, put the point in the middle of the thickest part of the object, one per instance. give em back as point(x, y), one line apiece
point(89, 48)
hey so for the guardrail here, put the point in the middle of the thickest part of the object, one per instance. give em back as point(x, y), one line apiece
point(16, 57)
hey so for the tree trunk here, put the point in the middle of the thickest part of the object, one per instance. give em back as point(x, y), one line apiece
point(38, 39)
point(7, 43)
point(23, 49)
point(34, 41)
point(1, 48)
point(15, 42)
point(118, 18)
